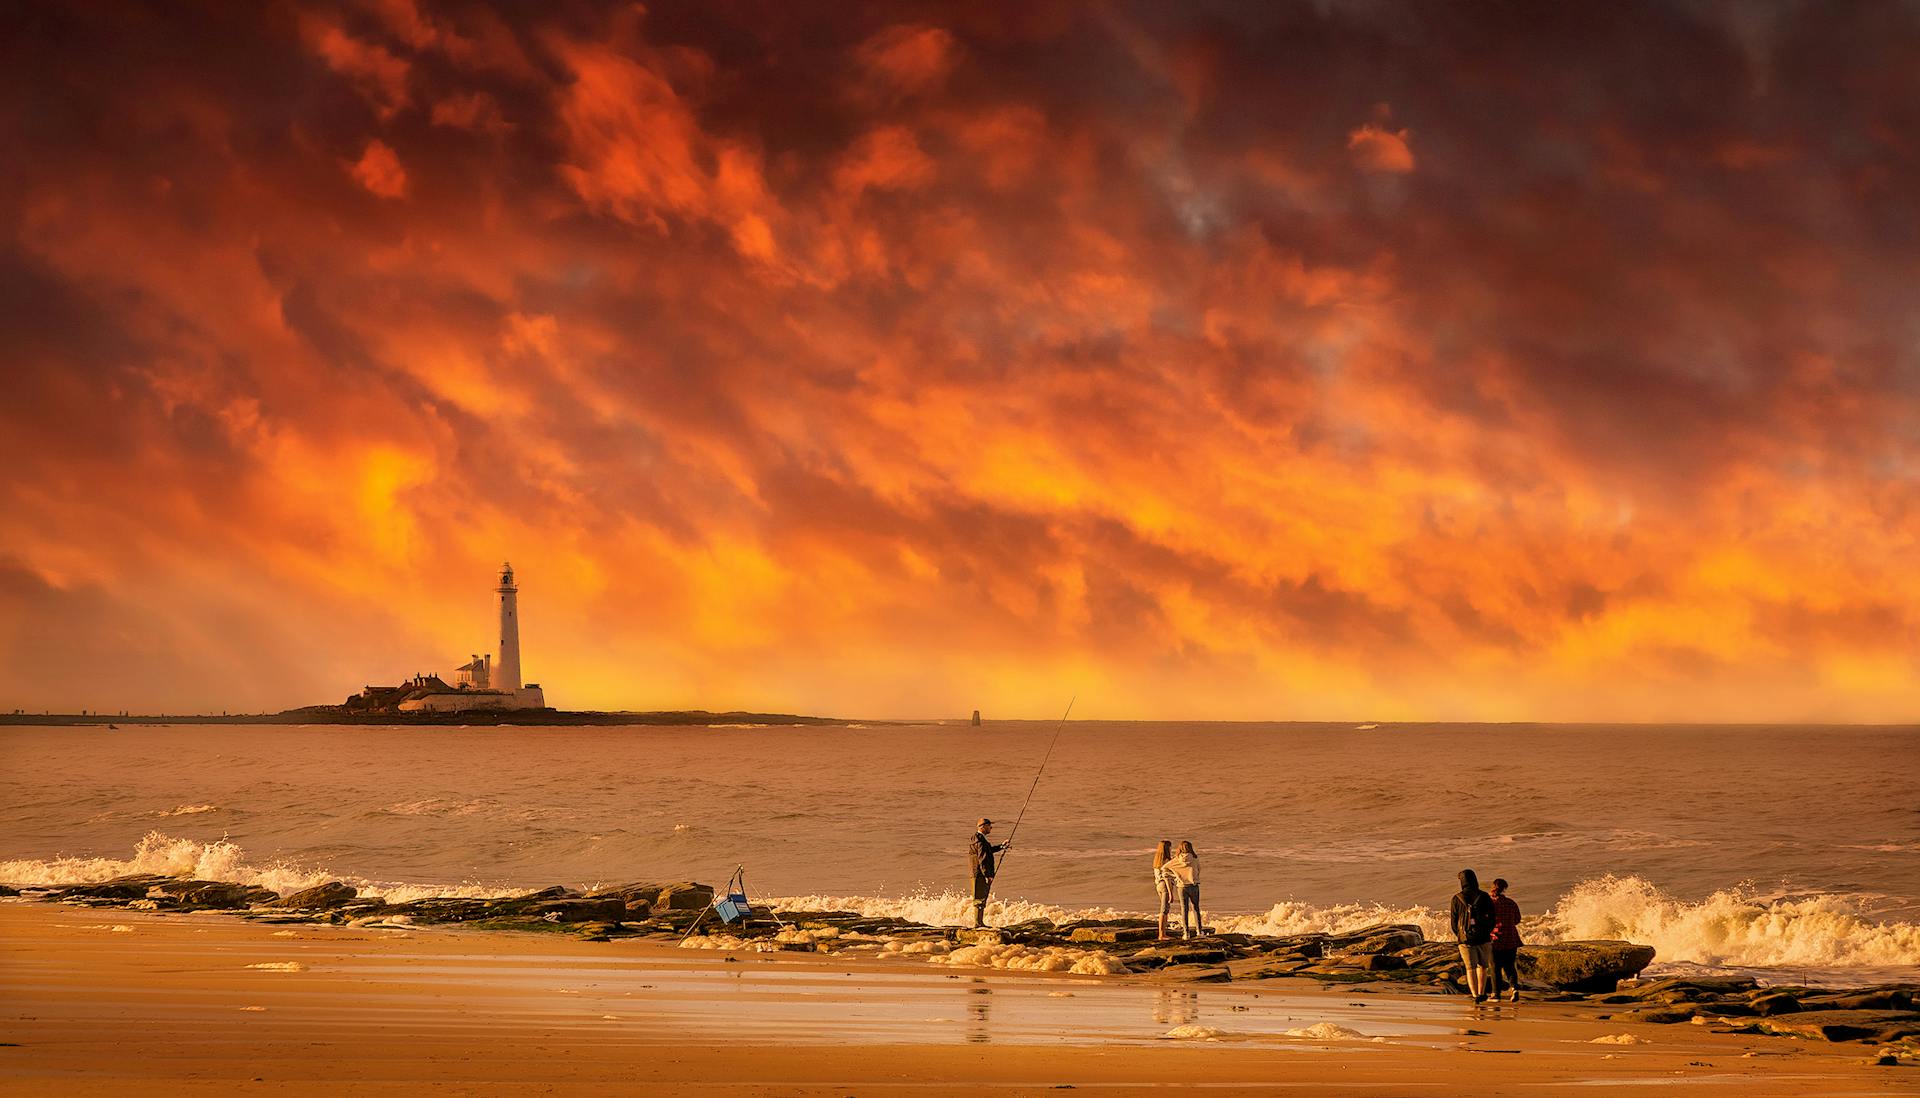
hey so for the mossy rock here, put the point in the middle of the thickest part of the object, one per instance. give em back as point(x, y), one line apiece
point(1584, 966)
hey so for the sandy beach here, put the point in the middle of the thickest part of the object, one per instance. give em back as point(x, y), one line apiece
point(107, 1001)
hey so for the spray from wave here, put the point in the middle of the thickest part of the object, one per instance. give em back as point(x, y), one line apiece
point(1733, 927)
point(218, 861)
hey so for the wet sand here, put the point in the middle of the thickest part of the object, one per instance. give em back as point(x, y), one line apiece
point(213, 1004)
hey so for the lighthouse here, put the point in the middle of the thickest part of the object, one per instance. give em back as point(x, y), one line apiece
point(506, 673)
point(479, 685)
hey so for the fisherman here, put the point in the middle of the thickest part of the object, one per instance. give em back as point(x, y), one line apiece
point(981, 855)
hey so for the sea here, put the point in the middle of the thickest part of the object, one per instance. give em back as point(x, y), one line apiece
point(1788, 853)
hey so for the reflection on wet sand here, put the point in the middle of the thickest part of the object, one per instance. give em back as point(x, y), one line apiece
point(979, 1013)
point(1173, 1006)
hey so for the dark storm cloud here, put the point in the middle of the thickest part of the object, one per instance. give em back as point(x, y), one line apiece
point(1358, 353)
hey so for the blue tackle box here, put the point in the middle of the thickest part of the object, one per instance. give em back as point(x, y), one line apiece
point(733, 907)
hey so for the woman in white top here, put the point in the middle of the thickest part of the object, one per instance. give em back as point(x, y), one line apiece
point(1163, 883)
point(1184, 868)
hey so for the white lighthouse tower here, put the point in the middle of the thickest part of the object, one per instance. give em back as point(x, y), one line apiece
point(480, 686)
point(506, 673)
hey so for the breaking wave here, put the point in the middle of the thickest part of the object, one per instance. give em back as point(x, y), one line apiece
point(1734, 928)
point(219, 860)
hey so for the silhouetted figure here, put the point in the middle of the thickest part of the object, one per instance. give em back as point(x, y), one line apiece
point(981, 856)
point(1184, 868)
point(1473, 929)
point(1506, 942)
point(1164, 883)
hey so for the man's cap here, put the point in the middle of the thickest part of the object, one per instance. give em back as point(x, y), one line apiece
point(983, 822)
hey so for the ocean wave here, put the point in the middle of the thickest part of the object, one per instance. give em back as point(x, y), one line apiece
point(439, 806)
point(190, 810)
point(219, 860)
point(1731, 929)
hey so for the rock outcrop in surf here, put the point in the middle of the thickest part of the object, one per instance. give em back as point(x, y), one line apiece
point(1395, 954)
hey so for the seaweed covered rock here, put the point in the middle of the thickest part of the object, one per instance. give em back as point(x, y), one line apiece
point(1584, 966)
point(1268, 967)
point(1390, 938)
point(1177, 953)
point(1879, 1026)
point(1685, 989)
point(434, 909)
point(1878, 998)
point(684, 896)
point(643, 894)
point(211, 894)
point(1113, 935)
point(322, 897)
point(131, 887)
point(584, 909)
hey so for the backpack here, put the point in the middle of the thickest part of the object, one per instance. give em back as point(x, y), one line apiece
point(1479, 919)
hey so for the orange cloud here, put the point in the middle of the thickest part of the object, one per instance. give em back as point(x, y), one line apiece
point(379, 74)
point(885, 159)
point(1376, 149)
point(908, 58)
point(379, 171)
point(830, 364)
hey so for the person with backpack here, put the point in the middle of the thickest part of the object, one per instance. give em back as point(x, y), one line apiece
point(1506, 942)
point(1473, 929)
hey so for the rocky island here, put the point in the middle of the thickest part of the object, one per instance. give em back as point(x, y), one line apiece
point(342, 714)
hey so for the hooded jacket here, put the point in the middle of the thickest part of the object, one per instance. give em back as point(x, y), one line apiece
point(1472, 914)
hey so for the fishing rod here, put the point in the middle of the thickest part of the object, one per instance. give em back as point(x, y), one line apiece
point(1061, 727)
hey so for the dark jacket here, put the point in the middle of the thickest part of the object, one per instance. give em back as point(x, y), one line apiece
point(981, 854)
point(1506, 924)
point(1472, 917)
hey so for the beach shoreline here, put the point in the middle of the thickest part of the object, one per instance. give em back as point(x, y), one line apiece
point(100, 1001)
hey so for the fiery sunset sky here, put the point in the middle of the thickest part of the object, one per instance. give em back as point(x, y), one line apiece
point(1269, 360)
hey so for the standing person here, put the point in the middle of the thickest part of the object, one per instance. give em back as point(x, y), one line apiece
point(1184, 869)
point(1163, 883)
point(1506, 942)
point(1473, 929)
point(981, 856)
